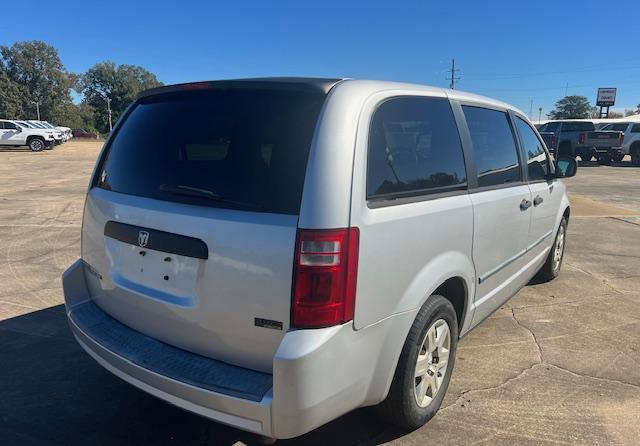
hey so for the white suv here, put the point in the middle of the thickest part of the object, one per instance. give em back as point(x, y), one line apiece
point(309, 246)
point(14, 134)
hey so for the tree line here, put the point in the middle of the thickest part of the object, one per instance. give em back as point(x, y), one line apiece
point(578, 107)
point(33, 77)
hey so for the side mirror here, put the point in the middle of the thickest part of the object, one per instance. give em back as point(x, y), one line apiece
point(566, 167)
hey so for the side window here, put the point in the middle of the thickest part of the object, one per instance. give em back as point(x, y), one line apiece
point(414, 148)
point(1, 125)
point(9, 125)
point(635, 128)
point(494, 146)
point(537, 163)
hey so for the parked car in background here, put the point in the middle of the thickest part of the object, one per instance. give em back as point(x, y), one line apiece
point(80, 133)
point(580, 138)
point(57, 134)
point(221, 271)
point(631, 144)
point(66, 131)
point(14, 134)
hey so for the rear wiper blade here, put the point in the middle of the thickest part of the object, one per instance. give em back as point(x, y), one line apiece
point(190, 191)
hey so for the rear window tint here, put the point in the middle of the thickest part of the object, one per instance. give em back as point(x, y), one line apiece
point(235, 148)
point(616, 127)
point(494, 146)
point(578, 126)
point(414, 149)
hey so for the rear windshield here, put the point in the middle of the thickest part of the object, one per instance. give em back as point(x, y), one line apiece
point(616, 127)
point(550, 127)
point(234, 148)
point(578, 126)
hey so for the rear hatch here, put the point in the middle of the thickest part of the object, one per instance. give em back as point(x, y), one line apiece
point(190, 223)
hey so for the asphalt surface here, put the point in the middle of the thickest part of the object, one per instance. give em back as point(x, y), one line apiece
point(558, 364)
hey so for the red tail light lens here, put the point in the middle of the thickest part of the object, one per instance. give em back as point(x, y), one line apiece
point(581, 138)
point(621, 138)
point(324, 278)
point(553, 140)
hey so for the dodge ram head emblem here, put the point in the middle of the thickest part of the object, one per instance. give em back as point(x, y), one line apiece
point(143, 238)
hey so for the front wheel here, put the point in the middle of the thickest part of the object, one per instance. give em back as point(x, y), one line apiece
point(36, 144)
point(551, 268)
point(425, 366)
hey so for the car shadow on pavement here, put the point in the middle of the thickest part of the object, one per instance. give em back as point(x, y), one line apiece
point(52, 392)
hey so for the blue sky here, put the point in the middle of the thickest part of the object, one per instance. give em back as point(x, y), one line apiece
point(515, 51)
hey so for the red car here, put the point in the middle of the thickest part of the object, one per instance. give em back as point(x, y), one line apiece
point(80, 133)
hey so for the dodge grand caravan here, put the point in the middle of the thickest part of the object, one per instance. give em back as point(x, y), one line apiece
point(274, 253)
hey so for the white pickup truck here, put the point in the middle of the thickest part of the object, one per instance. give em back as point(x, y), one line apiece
point(14, 134)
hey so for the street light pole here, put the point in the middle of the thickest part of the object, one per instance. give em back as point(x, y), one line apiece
point(37, 109)
point(539, 114)
point(109, 111)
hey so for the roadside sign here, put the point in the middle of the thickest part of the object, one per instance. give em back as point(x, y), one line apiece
point(606, 97)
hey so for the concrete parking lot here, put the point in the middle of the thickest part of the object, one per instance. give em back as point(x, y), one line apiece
point(558, 364)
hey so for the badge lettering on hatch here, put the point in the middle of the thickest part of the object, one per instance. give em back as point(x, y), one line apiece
point(268, 323)
point(143, 238)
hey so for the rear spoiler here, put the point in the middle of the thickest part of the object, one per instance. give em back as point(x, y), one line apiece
point(320, 85)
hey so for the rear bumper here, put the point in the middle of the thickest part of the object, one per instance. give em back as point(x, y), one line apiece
point(318, 375)
point(609, 150)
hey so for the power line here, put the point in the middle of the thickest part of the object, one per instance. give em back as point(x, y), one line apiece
point(453, 78)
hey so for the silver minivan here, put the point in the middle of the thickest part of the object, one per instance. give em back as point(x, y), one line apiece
point(274, 253)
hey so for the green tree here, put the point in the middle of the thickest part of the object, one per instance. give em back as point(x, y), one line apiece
point(40, 76)
point(120, 84)
point(571, 107)
point(10, 97)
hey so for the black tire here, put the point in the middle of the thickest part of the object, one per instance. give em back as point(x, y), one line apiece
point(551, 269)
point(37, 144)
point(586, 156)
point(617, 158)
point(635, 154)
point(401, 406)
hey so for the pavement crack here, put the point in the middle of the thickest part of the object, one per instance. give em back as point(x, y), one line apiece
point(599, 378)
point(625, 221)
point(531, 333)
point(601, 279)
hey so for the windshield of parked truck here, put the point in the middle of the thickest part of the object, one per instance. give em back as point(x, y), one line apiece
point(616, 127)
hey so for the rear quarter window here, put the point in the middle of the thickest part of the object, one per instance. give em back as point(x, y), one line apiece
point(235, 148)
point(414, 149)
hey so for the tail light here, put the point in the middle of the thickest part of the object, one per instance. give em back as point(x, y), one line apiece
point(581, 138)
point(324, 278)
point(621, 138)
point(553, 140)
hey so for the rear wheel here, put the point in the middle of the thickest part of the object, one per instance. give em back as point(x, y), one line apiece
point(586, 155)
point(617, 158)
point(424, 368)
point(37, 144)
point(551, 268)
point(635, 154)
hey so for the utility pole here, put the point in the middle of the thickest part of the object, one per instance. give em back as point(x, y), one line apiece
point(37, 109)
point(531, 109)
point(539, 114)
point(109, 111)
point(453, 77)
